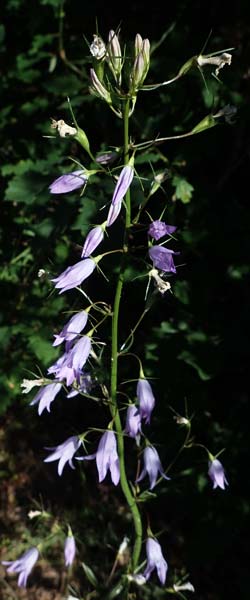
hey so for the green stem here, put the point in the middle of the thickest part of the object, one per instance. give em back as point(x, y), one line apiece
point(114, 367)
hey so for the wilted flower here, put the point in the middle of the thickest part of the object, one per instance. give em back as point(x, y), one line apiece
point(28, 384)
point(63, 129)
point(75, 275)
point(45, 396)
point(155, 560)
point(69, 550)
point(220, 61)
point(123, 183)
point(162, 286)
point(146, 399)
point(158, 229)
point(217, 474)
point(69, 182)
point(133, 421)
point(93, 239)
point(64, 452)
point(162, 258)
point(152, 465)
point(72, 328)
point(188, 586)
point(23, 565)
point(98, 48)
point(106, 457)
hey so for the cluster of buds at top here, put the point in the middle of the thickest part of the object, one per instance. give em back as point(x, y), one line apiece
point(111, 54)
point(141, 63)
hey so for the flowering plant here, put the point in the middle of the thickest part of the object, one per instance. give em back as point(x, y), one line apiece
point(116, 79)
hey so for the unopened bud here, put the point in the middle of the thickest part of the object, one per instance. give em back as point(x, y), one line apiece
point(138, 43)
point(82, 139)
point(98, 88)
point(114, 55)
point(141, 65)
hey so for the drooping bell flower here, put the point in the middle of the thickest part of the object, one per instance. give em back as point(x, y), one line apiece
point(68, 182)
point(146, 399)
point(93, 239)
point(133, 421)
point(72, 328)
point(106, 457)
point(217, 474)
point(45, 396)
point(162, 258)
point(73, 276)
point(23, 565)
point(158, 229)
point(152, 465)
point(64, 453)
point(155, 560)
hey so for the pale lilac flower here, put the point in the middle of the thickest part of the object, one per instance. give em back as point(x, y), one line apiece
point(78, 355)
point(162, 258)
point(64, 453)
point(72, 328)
point(93, 239)
point(146, 399)
point(152, 465)
point(62, 370)
point(123, 183)
point(73, 276)
point(45, 396)
point(133, 421)
point(113, 213)
point(106, 457)
point(69, 550)
point(68, 183)
point(155, 560)
point(217, 474)
point(106, 158)
point(84, 385)
point(23, 565)
point(158, 229)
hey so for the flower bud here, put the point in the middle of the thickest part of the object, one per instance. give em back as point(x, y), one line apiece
point(114, 55)
point(98, 88)
point(138, 43)
point(141, 64)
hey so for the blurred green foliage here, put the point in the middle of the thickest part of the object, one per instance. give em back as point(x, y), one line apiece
point(199, 349)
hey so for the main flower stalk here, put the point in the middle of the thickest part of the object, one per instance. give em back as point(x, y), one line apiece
point(114, 363)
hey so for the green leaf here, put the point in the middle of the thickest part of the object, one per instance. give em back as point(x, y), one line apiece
point(183, 189)
point(90, 575)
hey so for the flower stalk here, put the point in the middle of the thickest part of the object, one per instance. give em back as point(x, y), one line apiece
point(114, 364)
